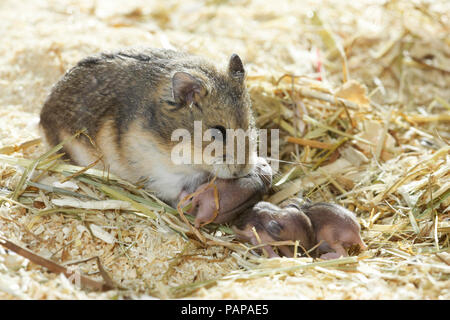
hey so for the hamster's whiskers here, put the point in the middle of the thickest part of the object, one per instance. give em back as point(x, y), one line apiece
point(291, 162)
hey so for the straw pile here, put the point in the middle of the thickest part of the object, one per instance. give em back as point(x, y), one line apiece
point(359, 91)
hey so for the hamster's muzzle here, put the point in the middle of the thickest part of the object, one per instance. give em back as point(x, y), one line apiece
point(232, 171)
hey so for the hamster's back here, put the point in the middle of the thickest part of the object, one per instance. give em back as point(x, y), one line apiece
point(322, 214)
point(132, 101)
point(108, 84)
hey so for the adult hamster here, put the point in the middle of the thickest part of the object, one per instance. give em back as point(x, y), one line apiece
point(131, 101)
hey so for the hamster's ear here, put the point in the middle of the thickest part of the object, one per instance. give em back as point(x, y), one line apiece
point(236, 68)
point(274, 228)
point(186, 89)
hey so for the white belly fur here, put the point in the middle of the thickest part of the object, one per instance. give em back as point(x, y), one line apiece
point(140, 158)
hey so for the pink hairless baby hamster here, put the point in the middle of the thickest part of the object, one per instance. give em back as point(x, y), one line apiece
point(334, 225)
point(273, 223)
point(235, 195)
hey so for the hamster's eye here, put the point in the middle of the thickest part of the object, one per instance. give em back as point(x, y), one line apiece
point(274, 228)
point(222, 132)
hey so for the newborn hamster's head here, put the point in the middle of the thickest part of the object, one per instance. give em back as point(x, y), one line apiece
point(213, 106)
point(285, 224)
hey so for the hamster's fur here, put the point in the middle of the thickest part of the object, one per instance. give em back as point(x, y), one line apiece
point(130, 101)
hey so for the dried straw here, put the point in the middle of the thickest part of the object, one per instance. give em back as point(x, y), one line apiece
point(362, 104)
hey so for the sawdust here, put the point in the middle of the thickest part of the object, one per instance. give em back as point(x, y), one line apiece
point(367, 78)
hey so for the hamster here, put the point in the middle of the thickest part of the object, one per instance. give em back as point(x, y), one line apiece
point(336, 226)
point(273, 223)
point(131, 101)
point(307, 222)
point(235, 195)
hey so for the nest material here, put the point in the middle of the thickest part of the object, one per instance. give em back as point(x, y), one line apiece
point(358, 90)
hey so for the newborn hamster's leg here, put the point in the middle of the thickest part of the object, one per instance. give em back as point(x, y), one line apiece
point(268, 248)
point(207, 212)
point(205, 206)
point(330, 256)
point(339, 251)
point(286, 251)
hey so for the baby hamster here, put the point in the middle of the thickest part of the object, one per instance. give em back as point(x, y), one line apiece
point(273, 223)
point(131, 101)
point(336, 226)
point(235, 195)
